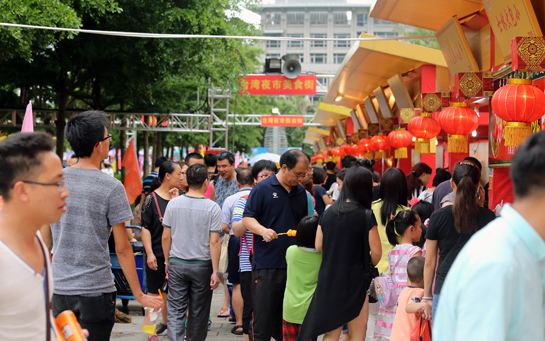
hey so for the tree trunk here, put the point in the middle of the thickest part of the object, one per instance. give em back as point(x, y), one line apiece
point(60, 124)
point(159, 144)
point(146, 153)
point(123, 144)
point(154, 152)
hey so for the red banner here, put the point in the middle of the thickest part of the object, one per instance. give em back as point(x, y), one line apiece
point(282, 121)
point(278, 85)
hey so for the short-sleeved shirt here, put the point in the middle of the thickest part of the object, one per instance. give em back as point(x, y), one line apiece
point(319, 192)
point(495, 289)
point(404, 323)
point(191, 221)
point(331, 178)
point(229, 206)
point(152, 222)
point(442, 229)
point(81, 261)
point(225, 189)
point(441, 190)
point(246, 239)
point(146, 183)
point(273, 207)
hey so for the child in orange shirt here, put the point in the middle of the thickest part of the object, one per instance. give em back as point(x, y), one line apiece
point(409, 303)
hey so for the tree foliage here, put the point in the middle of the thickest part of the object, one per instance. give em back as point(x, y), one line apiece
point(431, 43)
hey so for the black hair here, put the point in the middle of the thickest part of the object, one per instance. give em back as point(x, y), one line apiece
point(397, 226)
point(393, 193)
point(318, 176)
point(196, 175)
point(182, 164)
point(341, 175)
point(244, 177)
point(263, 165)
point(166, 167)
point(292, 157)
point(330, 165)
point(441, 175)
point(424, 210)
point(196, 156)
point(528, 166)
point(226, 155)
point(366, 163)
point(413, 181)
point(415, 269)
point(306, 232)
point(348, 161)
point(466, 176)
point(475, 161)
point(21, 159)
point(159, 161)
point(357, 188)
point(210, 160)
point(84, 131)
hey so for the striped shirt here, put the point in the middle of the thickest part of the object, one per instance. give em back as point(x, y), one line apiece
point(146, 184)
point(246, 240)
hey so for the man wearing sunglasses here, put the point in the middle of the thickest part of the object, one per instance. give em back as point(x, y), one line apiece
point(97, 207)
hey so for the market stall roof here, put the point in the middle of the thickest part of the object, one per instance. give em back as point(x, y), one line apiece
point(428, 14)
point(329, 114)
point(370, 64)
point(314, 134)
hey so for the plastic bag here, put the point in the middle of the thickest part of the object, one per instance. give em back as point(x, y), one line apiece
point(422, 331)
point(151, 321)
point(224, 256)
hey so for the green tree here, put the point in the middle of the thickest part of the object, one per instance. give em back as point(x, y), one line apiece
point(431, 43)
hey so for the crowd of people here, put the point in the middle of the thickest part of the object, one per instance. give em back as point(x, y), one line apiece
point(300, 249)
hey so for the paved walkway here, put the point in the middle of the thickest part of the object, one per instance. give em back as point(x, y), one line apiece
point(220, 329)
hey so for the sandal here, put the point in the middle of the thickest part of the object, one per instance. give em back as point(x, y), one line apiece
point(224, 312)
point(209, 322)
point(236, 331)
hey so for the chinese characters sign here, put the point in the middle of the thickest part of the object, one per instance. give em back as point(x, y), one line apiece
point(282, 121)
point(278, 85)
point(509, 19)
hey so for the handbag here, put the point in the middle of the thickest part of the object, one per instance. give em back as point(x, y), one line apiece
point(422, 331)
point(224, 255)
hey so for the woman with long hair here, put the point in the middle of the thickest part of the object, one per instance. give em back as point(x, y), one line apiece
point(163, 188)
point(451, 227)
point(368, 164)
point(349, 241)
point(417, 179)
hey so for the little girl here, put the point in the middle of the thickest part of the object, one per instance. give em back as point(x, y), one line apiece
point(303, 266)
point(402, 230)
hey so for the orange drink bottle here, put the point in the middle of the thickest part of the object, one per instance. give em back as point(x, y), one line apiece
point(70, 327)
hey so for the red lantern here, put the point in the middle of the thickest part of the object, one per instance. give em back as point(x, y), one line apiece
point(345, 149)
point(380, 144)
point(366, 145)
point(355, 150)
point(335, 152)
point(424, 128)
point(519, 104)
point(400, 139)
point(324, 155)
point(459, 121)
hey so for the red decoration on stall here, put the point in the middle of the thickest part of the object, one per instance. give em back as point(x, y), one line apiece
point(424, 128)
point(400, 139)
point(335, 152)
point(459, 121)
point(366, 145)
point(324, 155)
point(355, 150)
point(519, 104)
point(345, 149)
point(380, 144)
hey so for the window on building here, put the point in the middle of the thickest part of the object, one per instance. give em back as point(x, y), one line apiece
point(341, 43)
point(385, 34)
point(272, 56)
point(358, 34)
point(272, 19)
point(296, 18)
point(318, 43)
point(383, 22)
point(338, 58)
point(318, 18)
point(273, 43)
point(361, 19)
point(301, 57)
point(295, 43)
point(342, 18)
point(318, 58)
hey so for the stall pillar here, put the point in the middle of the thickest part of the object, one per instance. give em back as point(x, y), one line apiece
point(500, 187)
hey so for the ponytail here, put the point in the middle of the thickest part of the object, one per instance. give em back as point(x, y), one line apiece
point(466, 176)
point(397, 226)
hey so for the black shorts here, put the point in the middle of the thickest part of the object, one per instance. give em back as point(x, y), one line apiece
point(234, 248)
point(156, 278)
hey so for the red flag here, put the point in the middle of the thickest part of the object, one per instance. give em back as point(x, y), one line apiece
point(133, 184)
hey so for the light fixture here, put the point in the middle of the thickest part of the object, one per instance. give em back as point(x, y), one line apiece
point(339, 97)
point(474, 133)
point(275, 111)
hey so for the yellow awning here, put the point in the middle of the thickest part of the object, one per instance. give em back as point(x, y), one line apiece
point(314, 134)
point(429, 14)
point(328, 114)
point(370, 64)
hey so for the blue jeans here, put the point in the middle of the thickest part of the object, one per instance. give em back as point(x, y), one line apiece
point(434, 306)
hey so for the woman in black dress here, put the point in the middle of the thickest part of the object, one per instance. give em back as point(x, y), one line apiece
point(346, 234)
